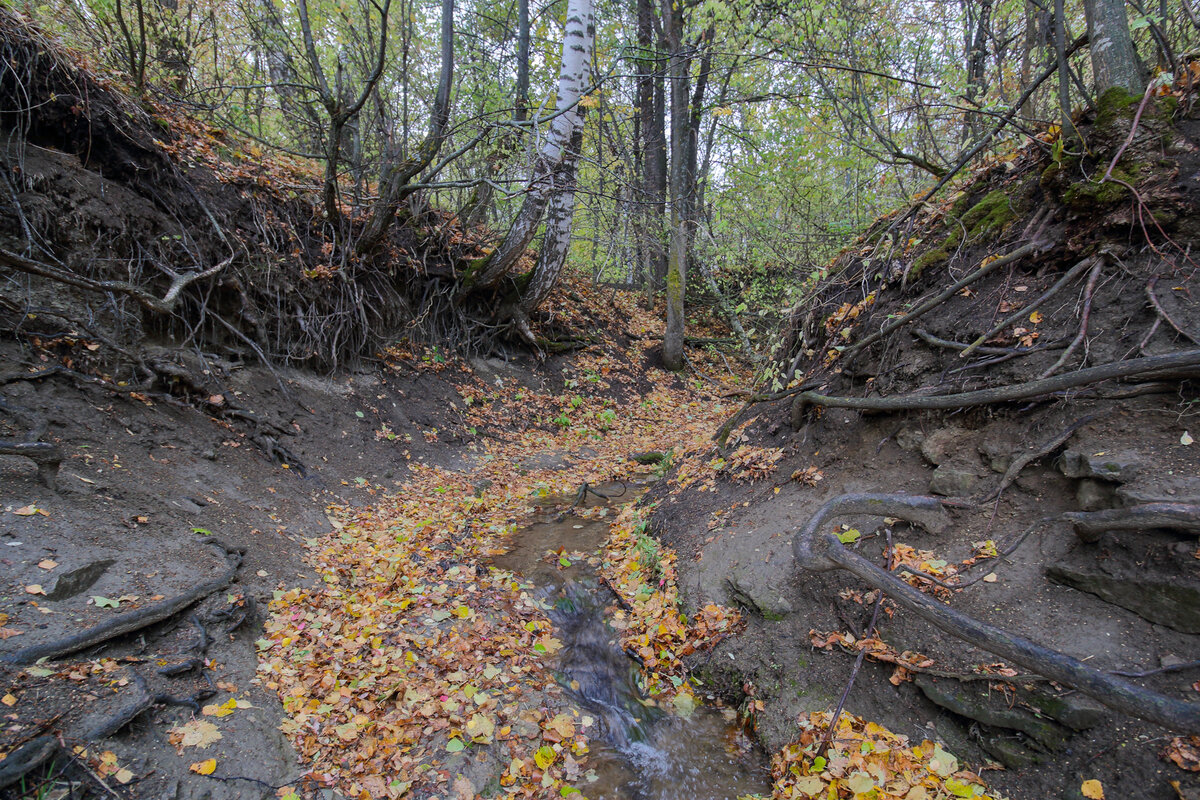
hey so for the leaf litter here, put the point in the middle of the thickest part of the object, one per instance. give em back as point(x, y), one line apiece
point(414, 660)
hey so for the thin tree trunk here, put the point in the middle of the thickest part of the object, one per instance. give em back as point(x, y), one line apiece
point(557, 240)
point(680, 236)
point(576, 63)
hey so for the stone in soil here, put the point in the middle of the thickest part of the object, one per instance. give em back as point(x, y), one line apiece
point(1173, 602)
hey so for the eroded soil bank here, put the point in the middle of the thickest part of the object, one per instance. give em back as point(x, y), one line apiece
point(1083, 279)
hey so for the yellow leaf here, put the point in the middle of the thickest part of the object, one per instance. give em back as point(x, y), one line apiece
point(1036, 317)
point(544, 757)
point(9, 700)
point(1092, 790)
point(205, 767)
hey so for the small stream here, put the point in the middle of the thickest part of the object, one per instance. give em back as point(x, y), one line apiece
point(641, 752)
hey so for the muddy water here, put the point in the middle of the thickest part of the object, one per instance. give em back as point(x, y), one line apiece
point(641, 752)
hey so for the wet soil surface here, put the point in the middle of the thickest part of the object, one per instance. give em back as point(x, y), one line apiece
point(643, 753)
point(146, 487)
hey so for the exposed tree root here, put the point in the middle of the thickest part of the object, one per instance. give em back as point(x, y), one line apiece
point(26, 759)
point(1088, 292)
point(1179, 516)
point(134, 620)
point(1071, 274)
point(102, 724)
point(819, 551)
point(1025, 459)
point(943, 296)
point(1004, 394)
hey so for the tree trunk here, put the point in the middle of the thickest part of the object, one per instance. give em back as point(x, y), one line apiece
point(573, 72)
point(1114, 62)
point(679, 184)
point(650, 114)
point(557, 240)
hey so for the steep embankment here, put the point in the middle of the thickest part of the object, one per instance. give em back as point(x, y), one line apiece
point(1060, 283)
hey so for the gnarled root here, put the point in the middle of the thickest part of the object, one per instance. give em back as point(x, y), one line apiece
point(132, 621)
point(1090, 524)
point(819, 551)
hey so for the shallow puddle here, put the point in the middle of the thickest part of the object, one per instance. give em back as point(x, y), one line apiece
point(641, 753)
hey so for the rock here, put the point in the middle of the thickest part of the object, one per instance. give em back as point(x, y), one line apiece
point(78, 580)
point(1119, 467)
point(910, 438)
point(752, 594)
point(1173, 602)
point(1077, 711)
point(952, 481)
point(186, 504)
point(1160, 489)
point(998, 455)
point(942, 445)
point(1010, 751)
point(1093, 495)
point(978, 702)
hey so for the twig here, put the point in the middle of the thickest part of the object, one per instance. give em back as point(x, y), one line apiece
point(818, 551)
point(1163, 313)
point(1132, 132)
point(1147, 673)
point(827, 739)
point(1088, 293)
point(1072, 273)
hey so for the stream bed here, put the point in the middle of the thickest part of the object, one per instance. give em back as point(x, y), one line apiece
point(641, 752)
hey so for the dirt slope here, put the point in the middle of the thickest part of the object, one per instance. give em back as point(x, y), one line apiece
point(1123, 600)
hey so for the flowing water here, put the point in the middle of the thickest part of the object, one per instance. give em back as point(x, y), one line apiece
point(642, 752)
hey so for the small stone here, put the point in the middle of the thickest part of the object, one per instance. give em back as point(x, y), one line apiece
point(952, 481)
point(1119, 467)
point(1160, 489)
point(942, 445)
point(983, 705)
point(1092, 495)
point(910, 438)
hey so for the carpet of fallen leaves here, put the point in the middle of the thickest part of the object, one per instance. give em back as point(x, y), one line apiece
point(867, 760)
point(415, 667)
point(418, 670)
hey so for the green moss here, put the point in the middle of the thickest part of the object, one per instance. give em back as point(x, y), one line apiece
point(930, 258)
point(1115, 104)
point(1089, 194)
point(991, 213)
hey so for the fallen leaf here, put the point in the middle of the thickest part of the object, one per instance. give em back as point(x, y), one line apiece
point(9, 700)
point(29, 511)
point(47, 563)
point(123, 775)
point(34, 588)
point(197, 733)
point(1092, 790)
point(1186, 439)
point(206, 767)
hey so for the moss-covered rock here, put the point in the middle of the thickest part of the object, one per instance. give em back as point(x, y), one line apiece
point(1083, 195)
point(991, 213)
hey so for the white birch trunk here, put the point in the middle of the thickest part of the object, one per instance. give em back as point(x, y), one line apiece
point(572, 78)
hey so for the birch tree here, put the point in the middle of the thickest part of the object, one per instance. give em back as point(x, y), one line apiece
point(547, 178)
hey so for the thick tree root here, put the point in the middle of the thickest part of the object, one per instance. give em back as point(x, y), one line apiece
point(45, 455)
point(134, 620)
point(1003, 394)
point(1179, 516)
point(818, 551)
point(26, 759)
point(103, 724)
